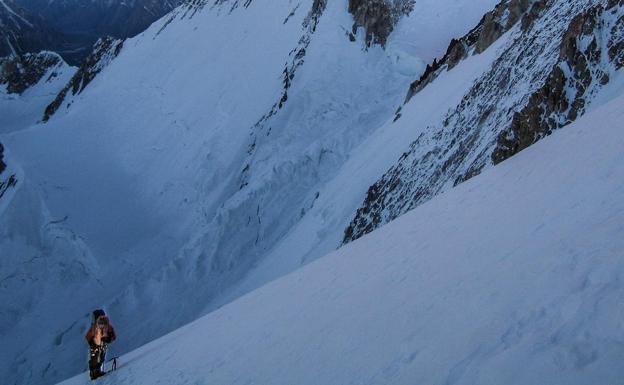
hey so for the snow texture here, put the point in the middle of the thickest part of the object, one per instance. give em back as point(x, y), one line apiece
point(514, 277)
point(162, 180)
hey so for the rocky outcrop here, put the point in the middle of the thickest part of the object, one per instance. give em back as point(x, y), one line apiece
point(581, 71)
point(5, 185)
point(492, 26)
point(548, 35)
point(6, 182)
point(297, 58)
point(377, 17)
point(298, 54)
point(18, 73)
point(2, 164)
point(104, 51)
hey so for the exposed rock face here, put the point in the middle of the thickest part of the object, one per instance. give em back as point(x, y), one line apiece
point(5, 185)
point(492, 26)
point(378, 17)
point(582, 70)
point(6, 182)
point(297, 58)
point(2, 164)
point(567, 36)
point(19, 73)
point(104, 51)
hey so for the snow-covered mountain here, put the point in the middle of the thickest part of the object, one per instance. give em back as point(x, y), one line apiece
point(22, 31)
point(71, 27)
point(29, 82)
point(234, 141)
point(514, 277)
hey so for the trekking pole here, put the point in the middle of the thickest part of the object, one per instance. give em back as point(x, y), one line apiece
point(114, 365)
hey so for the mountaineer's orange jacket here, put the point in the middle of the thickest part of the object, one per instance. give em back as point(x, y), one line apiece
point(94, 337)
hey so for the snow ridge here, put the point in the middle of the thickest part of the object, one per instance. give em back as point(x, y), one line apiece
point(104, 52)
point(491, 27)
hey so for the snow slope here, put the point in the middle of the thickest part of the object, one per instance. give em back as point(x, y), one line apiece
point(322, 228)
point(174, 174)
point(514, 277)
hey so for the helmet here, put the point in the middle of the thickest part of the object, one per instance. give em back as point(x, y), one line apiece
point(97, 314)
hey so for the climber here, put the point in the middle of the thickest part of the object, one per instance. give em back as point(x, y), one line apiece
point(100, 334)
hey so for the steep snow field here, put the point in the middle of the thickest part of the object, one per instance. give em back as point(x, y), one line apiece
point(514, 277)
point(322, 228)
point(159, 188)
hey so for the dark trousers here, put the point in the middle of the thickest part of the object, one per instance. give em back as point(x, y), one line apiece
point(97, 356)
